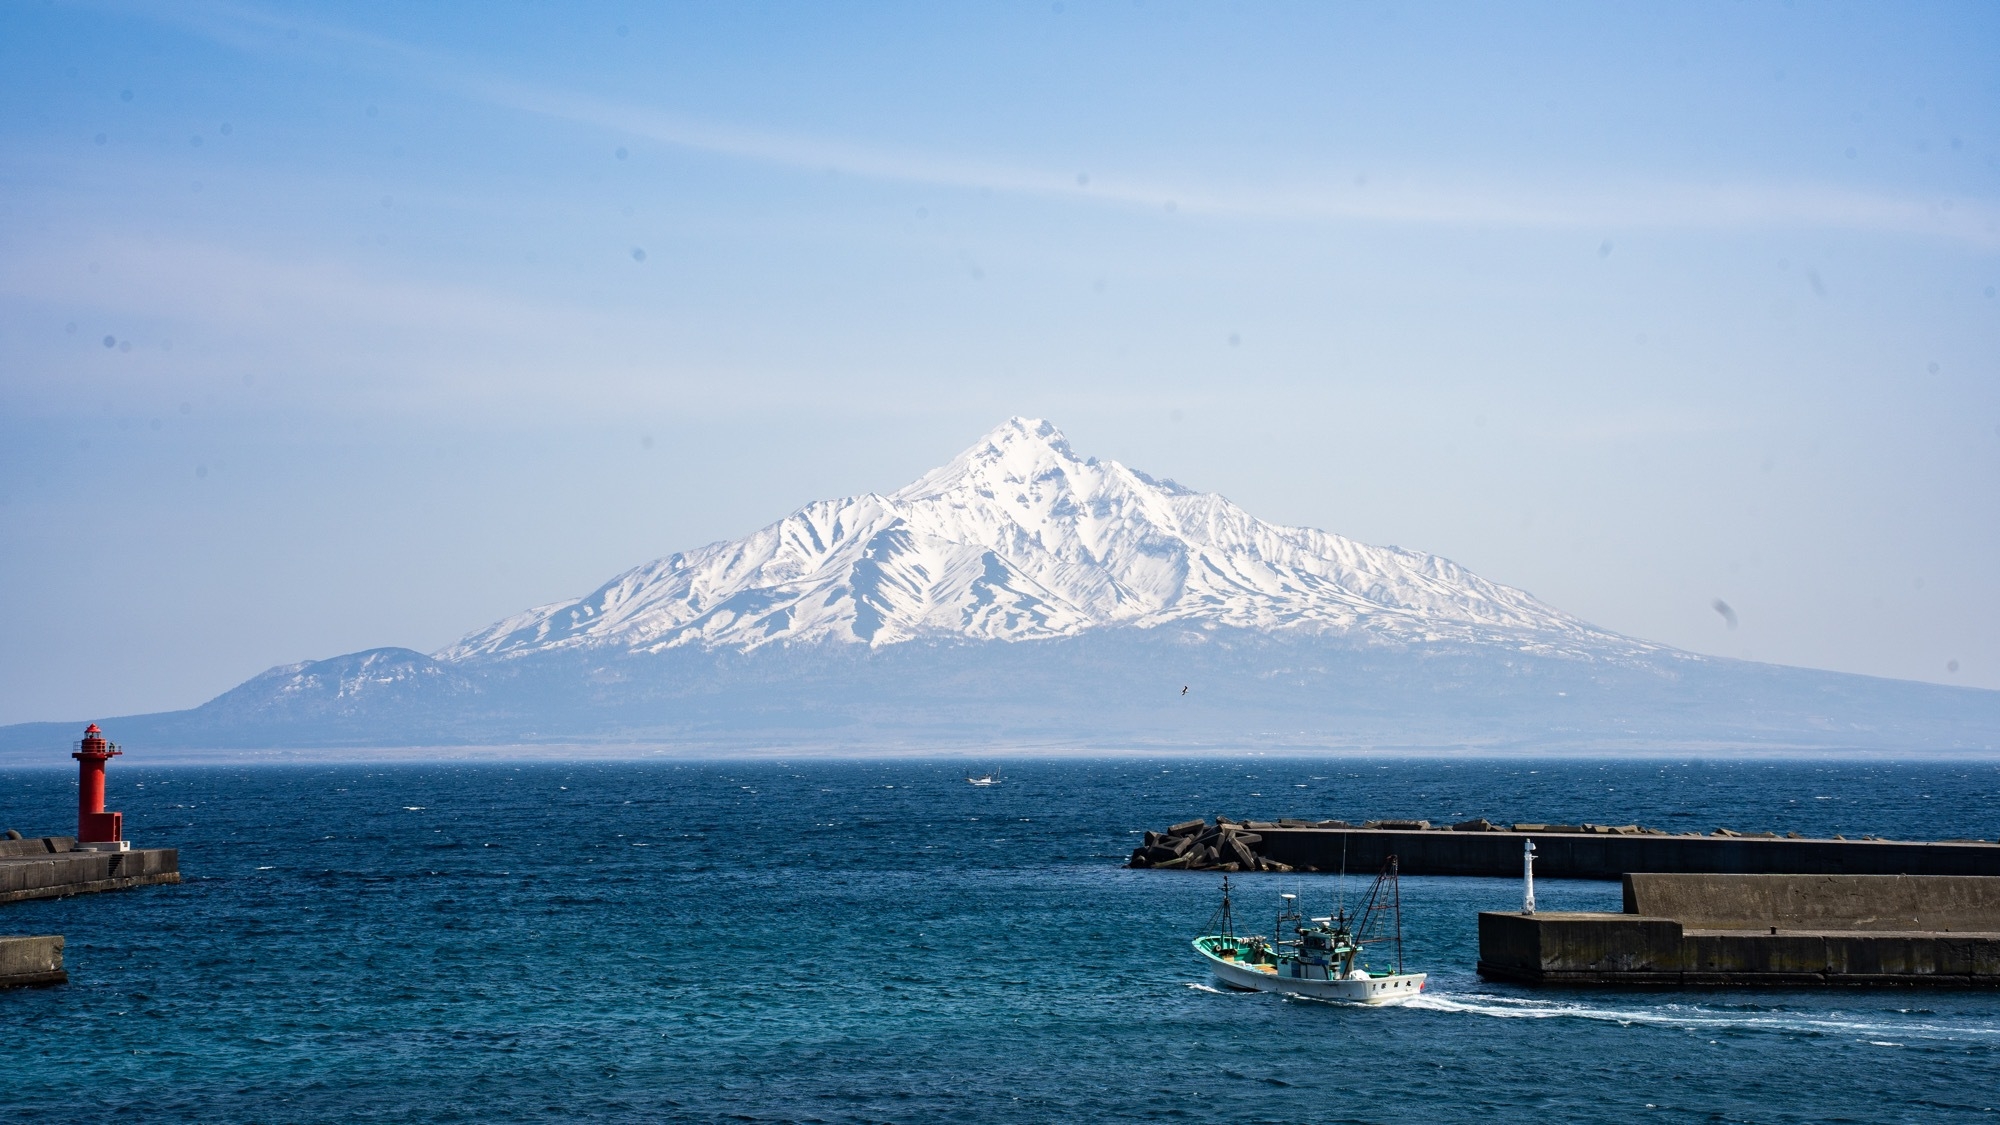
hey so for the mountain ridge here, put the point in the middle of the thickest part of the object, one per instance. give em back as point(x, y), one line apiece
point(1020, 538)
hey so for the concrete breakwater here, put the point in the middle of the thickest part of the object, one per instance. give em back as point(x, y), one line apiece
point(45, 867)
point(1776, 930)
point(31, 959)
point(1589, 851)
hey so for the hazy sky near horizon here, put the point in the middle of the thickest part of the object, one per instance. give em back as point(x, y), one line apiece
point(332, 326)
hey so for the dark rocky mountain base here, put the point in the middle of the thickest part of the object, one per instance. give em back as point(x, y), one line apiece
point(1104, 690)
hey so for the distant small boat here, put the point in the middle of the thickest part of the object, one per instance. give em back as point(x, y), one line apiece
point(1317, 959)
point(984, 779)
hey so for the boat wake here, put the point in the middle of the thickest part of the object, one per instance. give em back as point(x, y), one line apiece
point(1697, 1018)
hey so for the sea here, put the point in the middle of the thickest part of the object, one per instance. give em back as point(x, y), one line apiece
point(878, 941)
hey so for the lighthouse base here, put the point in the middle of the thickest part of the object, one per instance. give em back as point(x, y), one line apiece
point(102, 846)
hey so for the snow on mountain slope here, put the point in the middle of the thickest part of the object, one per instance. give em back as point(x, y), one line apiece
point(1020, 538)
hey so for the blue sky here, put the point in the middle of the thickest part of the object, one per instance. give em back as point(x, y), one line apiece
point(418, 316)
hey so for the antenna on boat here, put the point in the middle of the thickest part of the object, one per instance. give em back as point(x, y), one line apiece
point(1340, 887)
point(1287, 909)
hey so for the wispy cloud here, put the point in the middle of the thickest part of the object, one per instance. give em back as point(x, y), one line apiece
point(1384, 197)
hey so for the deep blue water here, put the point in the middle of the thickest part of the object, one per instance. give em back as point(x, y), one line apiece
point(878, 941)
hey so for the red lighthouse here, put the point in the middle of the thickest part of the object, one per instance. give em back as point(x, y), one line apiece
point(96, 830)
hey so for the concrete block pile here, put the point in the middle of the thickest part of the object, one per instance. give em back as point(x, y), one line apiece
point(1226, 845)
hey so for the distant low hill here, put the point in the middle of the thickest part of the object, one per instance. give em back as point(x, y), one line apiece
point(1024, 597)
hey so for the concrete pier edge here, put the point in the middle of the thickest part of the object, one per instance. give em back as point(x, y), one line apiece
point(1814, 931)
point(1574, 854)
point(45, 867)
point(30, 960)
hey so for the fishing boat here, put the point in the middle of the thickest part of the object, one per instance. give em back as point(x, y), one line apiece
point(1317, 957)
point(984, 779)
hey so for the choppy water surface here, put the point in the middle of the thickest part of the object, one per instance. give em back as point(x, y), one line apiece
point(879, 941)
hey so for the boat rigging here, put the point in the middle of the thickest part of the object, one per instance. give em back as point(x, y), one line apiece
point(1317, 956)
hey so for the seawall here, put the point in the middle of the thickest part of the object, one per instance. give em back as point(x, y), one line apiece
point(1773, 930)
point(1561, 852)
point(44, 867)
point(31, 960)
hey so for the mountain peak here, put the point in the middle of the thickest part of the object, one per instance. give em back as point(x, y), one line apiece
point(1018, 429)
point(1013, 453)
point(1019, 538)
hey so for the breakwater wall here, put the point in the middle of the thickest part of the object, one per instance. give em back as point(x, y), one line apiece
point(1774, 930)
point(32, 959)
point(1562, 851)
point(45, 867)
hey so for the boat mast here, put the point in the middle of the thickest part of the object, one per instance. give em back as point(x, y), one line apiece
point(1340, 887)
point(1396, 890)
point(1369, 918)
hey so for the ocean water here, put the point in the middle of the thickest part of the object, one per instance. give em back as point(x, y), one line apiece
point(823, 941)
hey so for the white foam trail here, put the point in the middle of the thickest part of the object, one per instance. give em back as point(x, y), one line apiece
point(1693, 1017)
point(1215, 991)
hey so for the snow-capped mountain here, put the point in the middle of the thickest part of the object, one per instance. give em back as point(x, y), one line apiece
point(1020, 538)
point(889, 624)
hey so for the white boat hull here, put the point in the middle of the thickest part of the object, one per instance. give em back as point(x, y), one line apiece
point(1393, 988)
